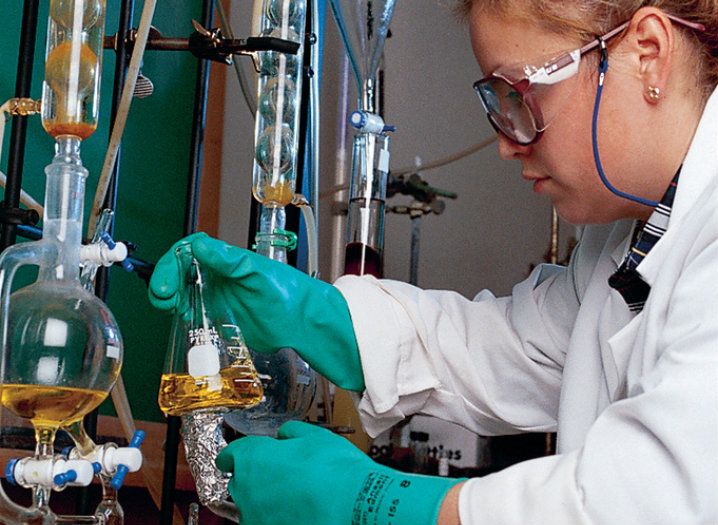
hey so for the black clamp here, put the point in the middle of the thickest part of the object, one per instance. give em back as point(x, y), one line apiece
point(208, 44)
point(211, 45)
point(420, 191)
point(18, 216)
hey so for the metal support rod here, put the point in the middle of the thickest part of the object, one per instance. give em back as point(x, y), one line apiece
point(304, 110)
point(18, 135)
point(414, 259)
point(169, 475)
point(198, 122)
point(84, 505)
point(195, 165)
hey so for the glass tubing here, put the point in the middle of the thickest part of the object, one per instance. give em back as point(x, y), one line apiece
point(277, 123)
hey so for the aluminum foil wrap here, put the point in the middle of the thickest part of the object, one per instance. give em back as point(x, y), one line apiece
point(203, 441)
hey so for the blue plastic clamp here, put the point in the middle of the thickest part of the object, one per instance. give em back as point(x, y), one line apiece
point(127, 265)
point(122, 470)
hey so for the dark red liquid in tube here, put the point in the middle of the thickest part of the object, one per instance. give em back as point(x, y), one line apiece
point(355, 253)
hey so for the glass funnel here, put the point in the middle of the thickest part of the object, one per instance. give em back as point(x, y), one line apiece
point(363, 25)
point(208, 366)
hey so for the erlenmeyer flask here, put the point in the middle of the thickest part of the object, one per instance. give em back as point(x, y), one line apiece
point(363, 25)
point(208, 365)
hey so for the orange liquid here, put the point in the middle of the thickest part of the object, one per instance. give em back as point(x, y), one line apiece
point(279, 195)
point(78, 129)
point(59, 120)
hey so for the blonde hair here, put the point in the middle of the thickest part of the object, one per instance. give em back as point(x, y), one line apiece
point(586, 18)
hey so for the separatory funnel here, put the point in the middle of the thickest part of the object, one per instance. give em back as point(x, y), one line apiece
point(61, 346)
point(364, 25)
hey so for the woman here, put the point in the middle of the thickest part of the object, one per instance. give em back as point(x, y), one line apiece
point(611, 108)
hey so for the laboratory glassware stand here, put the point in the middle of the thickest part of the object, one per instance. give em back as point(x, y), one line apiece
point(121, 41)
point(18, 136)
point(363, 26)
point(62, 349)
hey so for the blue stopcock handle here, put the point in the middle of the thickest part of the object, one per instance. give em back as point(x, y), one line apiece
point(122, 470)
point(10, 471)
point(369, 122)
point(96, 466)
point(127, 265)
point(65, 477)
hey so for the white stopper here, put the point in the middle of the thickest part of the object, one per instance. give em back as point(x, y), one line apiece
point(203, 360)
point(131, 457)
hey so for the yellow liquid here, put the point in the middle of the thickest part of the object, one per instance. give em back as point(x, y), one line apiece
point(235, 387)
point(280, 194)
point(50, 405)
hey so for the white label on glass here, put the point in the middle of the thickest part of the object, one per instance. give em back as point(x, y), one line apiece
point(113, 352)
point(203, 360)
point(384, 160)
point(214, 383)
point(56, 331)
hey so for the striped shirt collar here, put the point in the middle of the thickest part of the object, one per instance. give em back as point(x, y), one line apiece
point(626, 280)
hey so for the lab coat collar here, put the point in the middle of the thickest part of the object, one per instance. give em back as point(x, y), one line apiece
point(699, 171)
point(701, 162)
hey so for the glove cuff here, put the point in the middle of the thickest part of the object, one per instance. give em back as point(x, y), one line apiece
point(391, 497)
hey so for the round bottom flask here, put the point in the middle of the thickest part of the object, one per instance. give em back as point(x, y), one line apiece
point(63, 354)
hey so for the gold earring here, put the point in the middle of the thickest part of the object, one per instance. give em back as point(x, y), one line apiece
point(653, 93)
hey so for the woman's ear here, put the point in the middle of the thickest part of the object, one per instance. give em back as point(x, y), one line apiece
point(652, 39)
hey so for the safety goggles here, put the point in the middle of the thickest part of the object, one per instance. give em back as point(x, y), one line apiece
point(517, 100)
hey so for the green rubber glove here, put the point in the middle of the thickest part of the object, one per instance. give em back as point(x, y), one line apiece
point(275, 305)
point(310, 476)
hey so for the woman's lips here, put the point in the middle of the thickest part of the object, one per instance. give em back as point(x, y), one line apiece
point(537, 180)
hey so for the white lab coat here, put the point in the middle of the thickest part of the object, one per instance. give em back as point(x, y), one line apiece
point(634, 399)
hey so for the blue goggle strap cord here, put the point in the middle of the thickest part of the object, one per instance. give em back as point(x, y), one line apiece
point(602, 67)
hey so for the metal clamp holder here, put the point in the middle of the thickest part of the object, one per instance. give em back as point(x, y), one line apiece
point(209, 44)
point(18, 216)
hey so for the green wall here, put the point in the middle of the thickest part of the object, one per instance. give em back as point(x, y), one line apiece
point(153, 174)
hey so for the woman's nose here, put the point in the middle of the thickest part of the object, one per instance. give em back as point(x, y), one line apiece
point(510, 150)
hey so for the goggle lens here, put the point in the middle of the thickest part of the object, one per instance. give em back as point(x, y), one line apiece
point(507, 110)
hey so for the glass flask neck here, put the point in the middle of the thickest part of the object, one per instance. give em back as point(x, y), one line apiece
point(64, 204)
point(201, 330)
point(205, 335)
